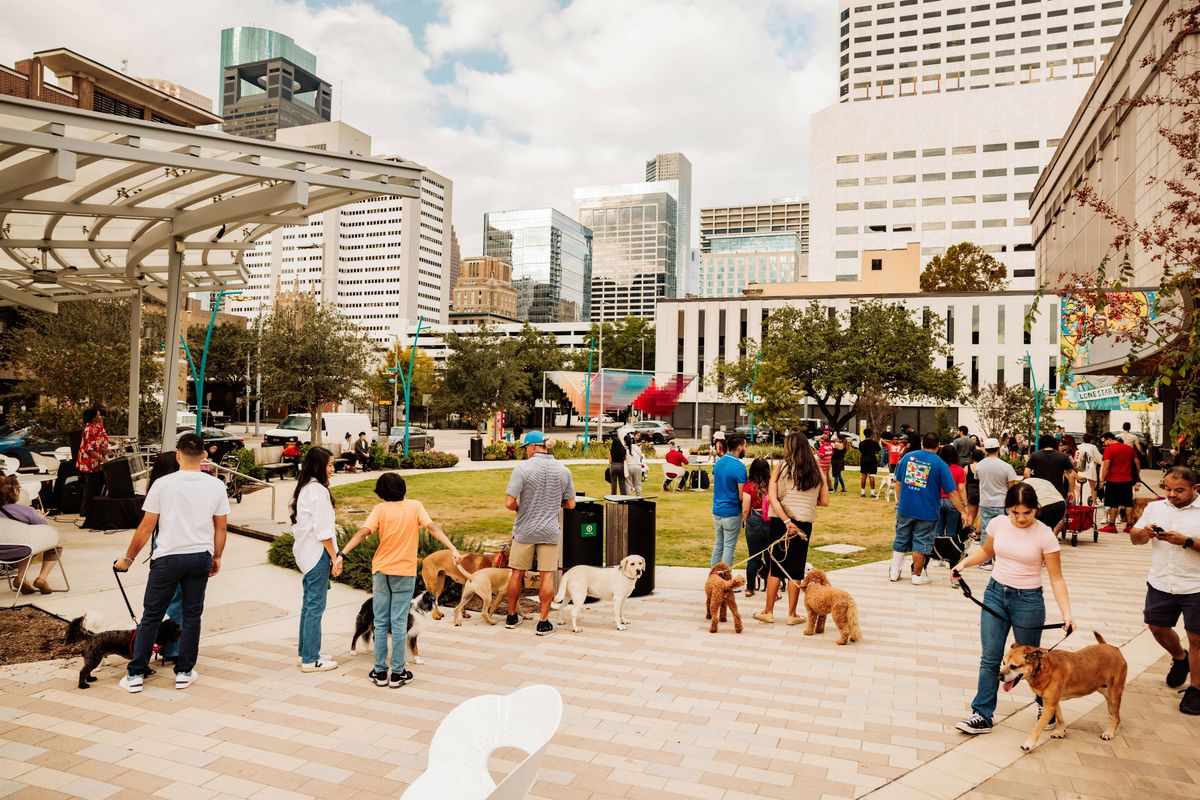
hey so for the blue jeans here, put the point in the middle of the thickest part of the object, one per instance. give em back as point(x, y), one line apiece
point(393, 595)
point(189, 574)
point(914, 535)
point(316, 589)
point(948, 520)
point(1027, 610)
point(986, 515)
point(727, 531)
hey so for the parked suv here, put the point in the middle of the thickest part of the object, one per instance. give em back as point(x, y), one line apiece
point(653, 430)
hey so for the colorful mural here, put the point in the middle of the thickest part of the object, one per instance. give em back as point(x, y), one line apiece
point(616, 389)
point(1098, 392)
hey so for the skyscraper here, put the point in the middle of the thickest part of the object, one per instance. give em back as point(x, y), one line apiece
point(551, 258)
point(784, 214)
point(268, 82)
point(676, 167)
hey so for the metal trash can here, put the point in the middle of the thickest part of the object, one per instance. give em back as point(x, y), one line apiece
point(630, 524)
point(583, 533)
point(477, 448)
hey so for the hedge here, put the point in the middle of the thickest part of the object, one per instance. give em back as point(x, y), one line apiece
point(429, 459)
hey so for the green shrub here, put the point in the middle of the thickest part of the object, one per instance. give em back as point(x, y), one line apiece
point(853, 457)
point(577, 449)
point(247, 465)
point(382, 458)
point(503, 451)
point(430, 459)
point(1017, 462)
point(770, 452)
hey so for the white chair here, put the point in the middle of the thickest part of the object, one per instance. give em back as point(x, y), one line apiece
point(9, 465)
point(46, 465)
point(458, 755)
point(39, 539)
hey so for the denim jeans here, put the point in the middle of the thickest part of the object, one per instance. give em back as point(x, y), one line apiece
point(174, 612)
point(914, 535)
point(393, 595)
point(838, 480)
point(725, 542)
point(189, 573)
point(1026, 608)
point(986, 515)
point(316, 589)
point(948, 520)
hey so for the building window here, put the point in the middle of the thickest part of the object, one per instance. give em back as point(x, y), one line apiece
point(950, 325)
point(1054, 323)
point(974, 324)
point(876, 264)
point(975, 373)
point(1052, 376)
point(1000, 371)
point(1000, 325)
point(1028, 335)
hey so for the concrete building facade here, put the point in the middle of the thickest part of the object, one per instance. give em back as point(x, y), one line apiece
point(737, 260)
point(551, 258)
point(484, 293)
point(785, 214)
point(676, 167)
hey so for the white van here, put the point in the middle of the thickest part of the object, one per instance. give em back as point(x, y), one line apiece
point(334, 427)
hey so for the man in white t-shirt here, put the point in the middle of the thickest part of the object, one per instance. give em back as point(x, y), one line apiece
point(190, 509)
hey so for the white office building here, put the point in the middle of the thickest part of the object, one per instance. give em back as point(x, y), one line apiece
point(735, 261)
point(946, 114)
point(568, 336)
point(382, 262)
point(676, 167)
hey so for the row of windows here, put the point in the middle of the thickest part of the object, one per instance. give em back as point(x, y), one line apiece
point(936, 152)
point(909, 202)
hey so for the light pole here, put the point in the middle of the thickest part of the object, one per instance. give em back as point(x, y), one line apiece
point(198, 377)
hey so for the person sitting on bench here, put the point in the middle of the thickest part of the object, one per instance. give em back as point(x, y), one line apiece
point(291, 454)
point(361, 454)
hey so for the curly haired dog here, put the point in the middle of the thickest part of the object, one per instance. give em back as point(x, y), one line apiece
point(718, 594)
point(97, 645)
point(822, 600)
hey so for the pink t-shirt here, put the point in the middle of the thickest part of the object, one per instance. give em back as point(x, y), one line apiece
point(1020, 553)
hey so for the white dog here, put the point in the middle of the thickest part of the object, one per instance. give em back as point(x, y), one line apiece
point(615, 583)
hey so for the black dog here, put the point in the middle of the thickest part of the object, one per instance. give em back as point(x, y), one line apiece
point(111, 643)
point(418, 613)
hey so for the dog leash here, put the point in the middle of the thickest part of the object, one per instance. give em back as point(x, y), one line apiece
point(121, 586)
point(966, 590)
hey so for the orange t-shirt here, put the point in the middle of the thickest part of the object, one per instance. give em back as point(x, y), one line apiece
point(398, 524)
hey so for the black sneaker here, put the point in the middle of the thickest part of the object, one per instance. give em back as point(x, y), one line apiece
point(974, 725)
point(1190, 704)
point(1178, 672)
point(512, 620)
point(545, 627)
point(398, 679)
point(380, 677)
point(1052, 724)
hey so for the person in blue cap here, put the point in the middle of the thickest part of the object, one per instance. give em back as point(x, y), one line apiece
point(538, 489)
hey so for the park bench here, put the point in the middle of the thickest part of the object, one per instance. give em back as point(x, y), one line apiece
point(281, 469)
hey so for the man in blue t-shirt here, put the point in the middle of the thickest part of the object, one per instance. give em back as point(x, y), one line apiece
point(921, 477)
point(729, 476)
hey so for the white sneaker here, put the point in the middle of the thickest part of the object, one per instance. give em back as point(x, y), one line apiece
point(862, 492)
point(874, 495)
point(320, 665)
point(922, 579)
point(185, 679)
point(321, 657)
point(986, 566)
point(893, 574)
point(132, 683)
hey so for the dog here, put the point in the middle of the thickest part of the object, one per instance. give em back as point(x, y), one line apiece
point(439, 565)
point(887, 489)
point(1058, 675)
point(615, 583)
point(98, 644)
point(418, 612)
point(822, 600)
point(491, 586)
point(718, 596)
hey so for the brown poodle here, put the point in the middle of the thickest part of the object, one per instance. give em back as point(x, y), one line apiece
point(718, 594)
point(821, 600)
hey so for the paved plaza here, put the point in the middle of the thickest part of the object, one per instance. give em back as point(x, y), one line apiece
point(663, 708)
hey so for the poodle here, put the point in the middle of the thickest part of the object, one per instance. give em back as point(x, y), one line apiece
point(822, 600)
point(98, 644)
point(718, 593)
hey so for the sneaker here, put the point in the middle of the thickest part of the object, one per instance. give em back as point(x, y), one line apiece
point(975, 725)
point(795, 620)
point(1129, 528)
point(763, 616)
point(321, 657)
point(922, 579)
point(545, 627)
point(874, 495)
point(1178, 672)
point(1190, 704)
point(1110, 528)
point(863, 492)
point(379, 676)
point(986, 566)
point(894, 574)
point(1052, 724)
point(318, 666)
point(132, 683)
point(398, 679)
point(185, 679)
point(512, 620)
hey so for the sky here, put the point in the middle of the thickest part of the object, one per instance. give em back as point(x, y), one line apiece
point(516, 101)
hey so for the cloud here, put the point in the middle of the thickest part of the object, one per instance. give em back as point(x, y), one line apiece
point(519, 101)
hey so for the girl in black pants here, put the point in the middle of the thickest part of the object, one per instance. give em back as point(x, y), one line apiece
point(758, 534)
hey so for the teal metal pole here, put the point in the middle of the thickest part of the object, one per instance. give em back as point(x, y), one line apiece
point(412, 355)
point(1037, 404)
point(199, 380)
point(587, 397)
point(750, 393)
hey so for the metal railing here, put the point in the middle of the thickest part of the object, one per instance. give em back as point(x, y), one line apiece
point(235, 475)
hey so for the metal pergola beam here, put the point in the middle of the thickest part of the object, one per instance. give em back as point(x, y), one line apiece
point(53, 168)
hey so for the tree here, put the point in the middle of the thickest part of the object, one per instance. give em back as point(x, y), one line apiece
point(532, 353)
point(78, 358)
point(628, 344)
point(311, 355)
point(478, 376)
point(834, 358)
point(964, 267)
point(876, 408)
point(227, 351)
point(425, 377)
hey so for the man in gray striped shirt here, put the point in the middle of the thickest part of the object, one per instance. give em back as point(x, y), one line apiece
point(538, 490)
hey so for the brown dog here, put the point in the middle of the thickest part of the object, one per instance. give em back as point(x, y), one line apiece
point(491, 586)
point(822, 600)
point(439, 565)
point(1058, 675)
point(718, 595)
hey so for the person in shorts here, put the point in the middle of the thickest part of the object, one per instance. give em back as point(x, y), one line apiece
point(921, 477)
point(538, 490)
point(1118, 472)
point(868, 464)
point(1172, 528)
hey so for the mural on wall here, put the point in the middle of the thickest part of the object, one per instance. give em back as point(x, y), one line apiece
point(1098, 392)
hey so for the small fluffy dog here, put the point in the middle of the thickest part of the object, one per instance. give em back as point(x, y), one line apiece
point(718, 596)
point(97, 645)
point(491, 586)
point(822, 600)
point(1059, 675)
point(418, 613)
point(615, 583)
point(439, 565)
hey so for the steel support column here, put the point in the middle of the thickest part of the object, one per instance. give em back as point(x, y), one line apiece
point(135, 361)
point(171, 351)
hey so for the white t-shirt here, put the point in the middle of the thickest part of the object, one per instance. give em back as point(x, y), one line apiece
point(1172, 569)
point(186, 503)
point(314, 524)
point(1089, 459)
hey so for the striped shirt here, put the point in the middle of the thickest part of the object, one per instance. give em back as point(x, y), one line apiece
point(541, 485)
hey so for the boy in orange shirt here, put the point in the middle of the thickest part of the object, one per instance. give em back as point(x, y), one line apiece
point(394, 570)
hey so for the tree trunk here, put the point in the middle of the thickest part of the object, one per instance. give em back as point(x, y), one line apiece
point(315, 428)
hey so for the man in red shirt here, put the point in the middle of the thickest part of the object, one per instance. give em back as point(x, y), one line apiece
point(93, 452)
point(1117, 475)
point(895, 449)
point(674, 468)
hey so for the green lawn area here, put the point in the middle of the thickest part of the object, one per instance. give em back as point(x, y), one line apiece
point(473, 503)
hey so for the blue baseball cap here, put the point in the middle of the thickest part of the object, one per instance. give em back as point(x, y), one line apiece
point(533, 437)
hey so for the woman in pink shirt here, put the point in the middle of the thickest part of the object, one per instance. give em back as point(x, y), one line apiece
point(1018, 545)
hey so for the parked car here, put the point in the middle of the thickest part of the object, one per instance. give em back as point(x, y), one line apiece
point(225, 442)
point(762, 433)
point(653, 430)
point(418, 439)
point(602, 420)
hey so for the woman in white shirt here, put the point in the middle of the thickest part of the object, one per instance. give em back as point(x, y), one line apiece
point(315, 531)
point(633, 465)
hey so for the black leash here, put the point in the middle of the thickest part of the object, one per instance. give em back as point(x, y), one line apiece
point(966, 590)
point(121, 586)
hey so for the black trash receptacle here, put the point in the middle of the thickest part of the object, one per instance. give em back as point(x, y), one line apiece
point(477, 448)
point(631, 530)
point(583, 534)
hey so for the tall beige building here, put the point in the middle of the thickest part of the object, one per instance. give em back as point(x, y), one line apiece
point(484, 292)
point(785, 214)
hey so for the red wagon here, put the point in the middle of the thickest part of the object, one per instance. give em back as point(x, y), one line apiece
point(1080, 519)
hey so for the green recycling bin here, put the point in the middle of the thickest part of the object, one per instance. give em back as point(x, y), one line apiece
point(583, 534)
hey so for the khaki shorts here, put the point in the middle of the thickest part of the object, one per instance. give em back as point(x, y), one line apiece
point(521, 556)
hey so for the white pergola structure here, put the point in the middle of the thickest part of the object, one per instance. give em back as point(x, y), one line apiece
point(94, 206)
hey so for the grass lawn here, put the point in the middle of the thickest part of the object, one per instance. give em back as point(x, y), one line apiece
point(473, 504)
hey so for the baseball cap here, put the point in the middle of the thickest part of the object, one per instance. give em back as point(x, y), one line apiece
point(533, 437)
point(991, 443)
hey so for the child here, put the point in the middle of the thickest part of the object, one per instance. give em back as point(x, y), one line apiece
point(394, 570)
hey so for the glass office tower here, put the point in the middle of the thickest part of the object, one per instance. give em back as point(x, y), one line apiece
point(250, 45)
point(551, 257)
